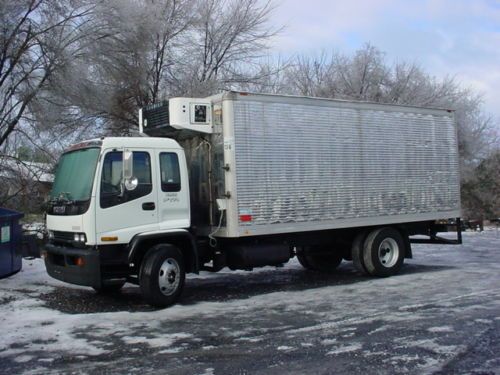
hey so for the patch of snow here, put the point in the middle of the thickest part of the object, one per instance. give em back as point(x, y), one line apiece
point(249, 339)
point(484, 321)
point(134, 340)
point(440, 329)
point(159, 341)
point(377, 353)
point(379, 329)
point(47, 360)
point(345, 349)
point(406, 358)
point(432, 345)
point(36, 371)
point(171, 350)
point(328, 341)
point(23, 358)
point(285, 348)
point(208, 371)
point(430, 364)
point(381, 315)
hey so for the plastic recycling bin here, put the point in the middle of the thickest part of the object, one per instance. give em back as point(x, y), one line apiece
point(10, 242)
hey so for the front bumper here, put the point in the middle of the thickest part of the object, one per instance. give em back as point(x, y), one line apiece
point(75, 266)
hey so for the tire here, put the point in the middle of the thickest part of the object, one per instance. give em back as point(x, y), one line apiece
point(357, 252)
point(383, 252)
point(162, 275)
point(326, 261)
point(303, 261)
point(109, 289)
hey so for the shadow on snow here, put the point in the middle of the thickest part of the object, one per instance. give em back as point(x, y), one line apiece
point(220, 287)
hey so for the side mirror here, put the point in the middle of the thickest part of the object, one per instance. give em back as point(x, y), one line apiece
point(129, 181)
point(128, 165)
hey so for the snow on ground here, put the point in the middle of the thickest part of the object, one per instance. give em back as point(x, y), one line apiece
point(445, 297)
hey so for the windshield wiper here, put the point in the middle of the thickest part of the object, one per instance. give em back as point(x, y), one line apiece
point(65, 202)
point(63, 198)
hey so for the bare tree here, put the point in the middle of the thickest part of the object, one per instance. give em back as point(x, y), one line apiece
point(25, 183)
point(269, 76)
point(134, 53)
point(362, 77)
point(140, 52)
point(36, 37)
point(311, 76)
point(481, 189)
point(226, 35)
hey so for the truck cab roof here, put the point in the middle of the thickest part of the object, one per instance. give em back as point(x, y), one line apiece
point(132, 142)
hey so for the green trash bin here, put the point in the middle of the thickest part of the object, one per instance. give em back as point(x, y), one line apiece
point(10, 242)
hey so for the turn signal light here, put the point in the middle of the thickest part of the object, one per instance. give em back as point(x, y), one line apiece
point(109, 239)
point(80, 261)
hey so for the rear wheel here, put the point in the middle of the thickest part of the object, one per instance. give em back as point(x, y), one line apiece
point(357, 252)
point(383, 252)
point(319, 258)
point(162, 275)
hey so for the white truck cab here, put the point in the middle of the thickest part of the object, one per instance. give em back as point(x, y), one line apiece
point(156, 197)
point(108, 191)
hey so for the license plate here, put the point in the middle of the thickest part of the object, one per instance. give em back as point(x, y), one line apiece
point(59, 209)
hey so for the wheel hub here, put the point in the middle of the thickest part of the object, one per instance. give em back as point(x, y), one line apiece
point(169, 276)
point(388, 252)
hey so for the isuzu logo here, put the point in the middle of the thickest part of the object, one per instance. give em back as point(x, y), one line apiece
point(59, 209)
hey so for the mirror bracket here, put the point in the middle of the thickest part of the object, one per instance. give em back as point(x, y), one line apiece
point(131, 183)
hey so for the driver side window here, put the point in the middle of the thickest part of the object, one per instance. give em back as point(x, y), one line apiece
point(112, 193)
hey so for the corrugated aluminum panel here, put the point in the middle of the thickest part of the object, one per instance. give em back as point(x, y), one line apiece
point(308, 164)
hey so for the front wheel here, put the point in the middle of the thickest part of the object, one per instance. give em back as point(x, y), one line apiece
point(162, 275)
point(383, 252)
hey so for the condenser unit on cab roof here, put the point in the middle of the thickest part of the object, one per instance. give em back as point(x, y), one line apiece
point(179, 113)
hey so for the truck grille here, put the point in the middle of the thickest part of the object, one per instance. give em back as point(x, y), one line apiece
point(63, 236)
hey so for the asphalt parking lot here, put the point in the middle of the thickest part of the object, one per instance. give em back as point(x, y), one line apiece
point(440, 315)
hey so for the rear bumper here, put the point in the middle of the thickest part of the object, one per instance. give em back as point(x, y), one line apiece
point(61, 264)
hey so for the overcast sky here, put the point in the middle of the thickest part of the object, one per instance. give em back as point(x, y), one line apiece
point(460, 38)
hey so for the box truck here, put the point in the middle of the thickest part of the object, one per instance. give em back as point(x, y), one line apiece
point(244, 180)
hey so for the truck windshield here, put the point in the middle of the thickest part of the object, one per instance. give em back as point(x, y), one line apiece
point(75, 175)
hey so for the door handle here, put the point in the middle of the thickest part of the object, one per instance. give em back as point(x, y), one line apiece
point(148, 206)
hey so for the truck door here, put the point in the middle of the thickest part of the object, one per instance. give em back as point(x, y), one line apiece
point(121, 213)
point(173, 191)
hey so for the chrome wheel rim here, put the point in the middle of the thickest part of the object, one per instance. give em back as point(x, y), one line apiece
point(388, 252)
point(169, 276)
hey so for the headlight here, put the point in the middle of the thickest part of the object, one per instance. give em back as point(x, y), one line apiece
point(79, 237)
point(51, 235)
